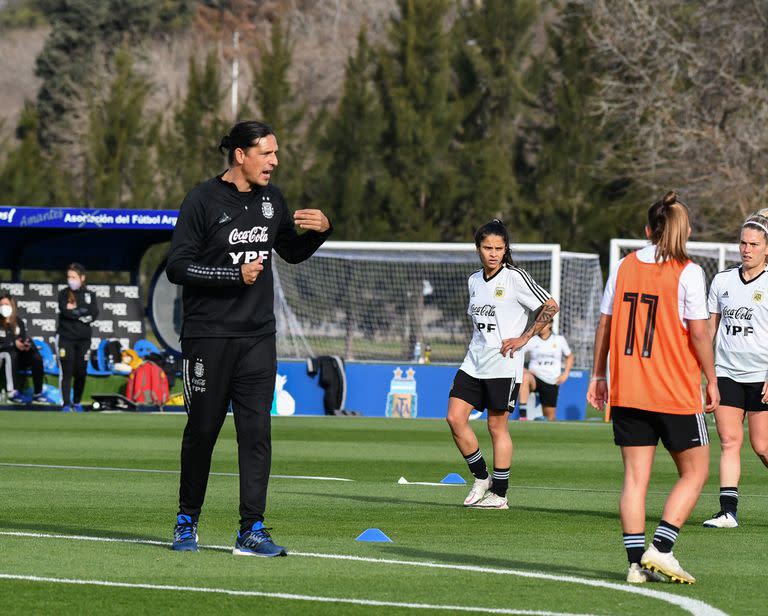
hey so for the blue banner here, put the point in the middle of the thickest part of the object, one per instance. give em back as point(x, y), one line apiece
point(84, 218)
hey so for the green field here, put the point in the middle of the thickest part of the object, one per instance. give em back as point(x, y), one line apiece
point(95, 539)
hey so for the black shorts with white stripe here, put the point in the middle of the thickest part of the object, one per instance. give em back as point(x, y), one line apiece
point(491, 394)
point(639, 428)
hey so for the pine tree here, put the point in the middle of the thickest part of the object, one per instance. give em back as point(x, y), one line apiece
point(188, 151)
point(577, 198)
point(82, 33)
point(273, 96)
point(119, 173)
point(422, 117)
point(346, 179)
point(29, 174)
point(494, 40)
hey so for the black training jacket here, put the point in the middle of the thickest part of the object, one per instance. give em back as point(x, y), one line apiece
point(9, 335)
point(219, 228)
point(76, 324)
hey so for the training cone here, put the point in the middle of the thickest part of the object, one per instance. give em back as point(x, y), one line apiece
point(453, 478)
point(374, 535)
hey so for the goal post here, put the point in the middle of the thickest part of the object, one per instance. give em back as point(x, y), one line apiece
point(406, 301)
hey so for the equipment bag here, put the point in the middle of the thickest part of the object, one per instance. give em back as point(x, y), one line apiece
point(147, 384)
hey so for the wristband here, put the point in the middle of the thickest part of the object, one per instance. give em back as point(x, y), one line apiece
point(598, 378)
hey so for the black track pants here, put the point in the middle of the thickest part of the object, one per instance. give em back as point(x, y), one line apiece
point(73, 359)
point(217, 371)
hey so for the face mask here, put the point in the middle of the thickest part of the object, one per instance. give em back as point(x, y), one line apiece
point(73, 284)
point(6, 311)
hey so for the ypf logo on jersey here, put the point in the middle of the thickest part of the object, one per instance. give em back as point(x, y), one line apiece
point(757, 296)
point(267, 208)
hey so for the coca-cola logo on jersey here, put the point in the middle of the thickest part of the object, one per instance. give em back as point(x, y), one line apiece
point(742, 312)
point(488, 310)
point(250, 236)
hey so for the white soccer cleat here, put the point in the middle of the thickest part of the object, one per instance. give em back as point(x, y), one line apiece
point(638, 575)
point(491, 501)
point(666, 563)
point(479, 488)
point(722, 519)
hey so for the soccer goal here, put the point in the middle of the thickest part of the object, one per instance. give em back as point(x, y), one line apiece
point(713, 257)
point(369, 301)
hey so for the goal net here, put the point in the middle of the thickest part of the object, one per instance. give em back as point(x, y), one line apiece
point(370, 301)
point(713, 257)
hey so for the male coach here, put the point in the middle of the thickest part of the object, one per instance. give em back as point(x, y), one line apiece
point(220, 253)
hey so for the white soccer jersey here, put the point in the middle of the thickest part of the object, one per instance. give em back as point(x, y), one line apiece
point(499, 309)
point(545, 357)
point(742, 338)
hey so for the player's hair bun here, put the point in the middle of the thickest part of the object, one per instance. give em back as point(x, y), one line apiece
point(226, 143)
point(670, 198)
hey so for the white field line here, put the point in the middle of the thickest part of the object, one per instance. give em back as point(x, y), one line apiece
point(280, 595)
point(320, 478)
point(155, 470)
point(692, 606)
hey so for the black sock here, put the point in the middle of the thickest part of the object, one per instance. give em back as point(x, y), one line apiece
point(729, 499)
point(635, 546)
point(665, 536)
point(500, 481)
point(477, 465)
point(523, 409)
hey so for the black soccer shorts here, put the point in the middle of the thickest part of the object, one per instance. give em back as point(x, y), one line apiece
point(491, 394)
point(639, 428)
point(744, 396)
point(547, 392)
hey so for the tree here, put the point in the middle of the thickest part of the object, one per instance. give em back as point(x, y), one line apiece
point(496, 79)
point(30, 175)
point(688, 85)
point(346, 179)
point(188, 150)
point(83, 33)
point(273, 95)
point(118, 153)
point(576, 196)
point(422, 116)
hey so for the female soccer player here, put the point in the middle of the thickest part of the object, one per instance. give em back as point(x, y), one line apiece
point(738, 303)
point(545, 371)
point(654, 322)
point(77, 310)
point(18, 352)
point(500, 296)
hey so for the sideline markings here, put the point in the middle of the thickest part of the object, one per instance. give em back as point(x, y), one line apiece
point(156, 470)
point(692, 606)
point(290, 596)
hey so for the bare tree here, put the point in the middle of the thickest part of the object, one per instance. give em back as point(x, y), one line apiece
point(688, 85)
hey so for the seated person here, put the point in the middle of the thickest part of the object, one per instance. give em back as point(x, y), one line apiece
point(545, 373)
point(18, 352)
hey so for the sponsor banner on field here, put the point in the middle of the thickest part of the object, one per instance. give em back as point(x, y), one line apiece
point(120, 310)
point(379, 390)
point(81, 218)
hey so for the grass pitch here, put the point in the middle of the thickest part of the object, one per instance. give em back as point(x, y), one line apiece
point(95, 539)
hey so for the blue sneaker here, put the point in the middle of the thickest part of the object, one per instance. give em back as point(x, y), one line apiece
point(17, 397)
point(257, 542)
point(79, 408)
point(185, 534)
point(68, 408)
